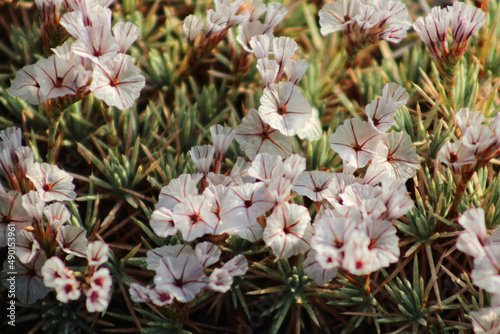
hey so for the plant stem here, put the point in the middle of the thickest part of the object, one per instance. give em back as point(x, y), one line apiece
point(51, 143)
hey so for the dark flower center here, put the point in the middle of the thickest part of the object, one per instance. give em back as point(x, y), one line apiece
point(59, 82)
point(453, 158)
point(248, 203)
point(282, 110)
point(194, 218)
point(357, 148)
point(47, 187)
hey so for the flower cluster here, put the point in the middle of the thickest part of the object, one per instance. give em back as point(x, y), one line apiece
point(95, 61)
point(203, 37)
point(365, 22)
point(446, 32)
point(479, 144)
point(354, 229)
point(283, 111)
point(34, 205)
point(95, 283)
point(180, 273)
point(356, 232)
point(392, 155)
point(485, 249)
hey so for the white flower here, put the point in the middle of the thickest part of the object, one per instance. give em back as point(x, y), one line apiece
point(283, 50)
point(337, 185)
point(239, 172)
point(275, 13)
point(255, 136)
point(56, 76)
point(246, 203)
point(219, 180)
point(256, 9)
point(139, 293)
point(97, 44)
point(34, 205)
point(12, 212)
point(11, 139)
point(54, 269)
point(182, 276)
point(221, 138)
point(474, 237)
point(477, 138)
point(85, 14)
point(381, 111)
point(313, 130)
point(28, 279)
point(178, 189)
point(161, 296)
point(162, 222)
point(125, 34)
point(357, 256)
point(486, 320)
point(465, 21)
point(395, 199)
point(220, 280)
point(393, 21)
point(312, 184)
point(202, 157)
point(486, 272)
point(293, 166)
point(57, 214)
point(118, 82)
point(355, 141)
point(283, 106)
point(432, 29)
point(252, 232)
point(207, 253)
point(384, 243)
point(216, 199)
point(330, 235)
point(101, 279)
point(216, 22)
point(355, 193)
point(288, 230)
point(260, 46)
point(26, 85)
point(396, 157)
point(97, 253)
point(268, 70)
point(97, 300)
point(192, 26)
point(295, 69)
point(237, 266)
point(67, 288)
point(335, 16)
point(468, 118)
point(27, 247)
point(73, 240)
point(154, 256)
point(234, 11)
point(52, 183)
point(315, 271)
point(456, 155)
point(266, 167)
point(279, 189)
point(194, 218)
